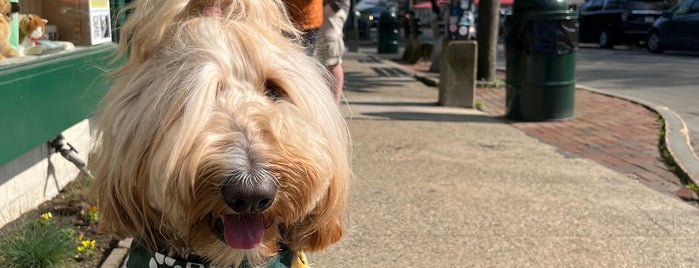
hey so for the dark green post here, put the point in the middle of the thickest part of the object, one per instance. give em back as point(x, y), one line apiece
point(388, 32)
point(118, 16)
point(541, 37)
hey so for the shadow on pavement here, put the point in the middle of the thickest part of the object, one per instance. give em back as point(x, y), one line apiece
point(363, 82)
point(434, 117)
point(394, 103)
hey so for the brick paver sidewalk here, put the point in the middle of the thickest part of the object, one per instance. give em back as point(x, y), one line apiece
point(619, 134)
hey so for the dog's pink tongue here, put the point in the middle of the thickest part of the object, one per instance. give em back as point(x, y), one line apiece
point(243, 231)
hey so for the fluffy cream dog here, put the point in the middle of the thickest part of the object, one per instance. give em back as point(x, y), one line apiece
point(220, 139)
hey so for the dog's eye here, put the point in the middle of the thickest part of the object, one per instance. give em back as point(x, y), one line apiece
point(274, 92)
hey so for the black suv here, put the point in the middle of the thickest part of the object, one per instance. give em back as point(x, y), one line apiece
point(610, 22)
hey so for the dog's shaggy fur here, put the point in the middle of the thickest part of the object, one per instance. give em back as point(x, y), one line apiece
point(209, 100)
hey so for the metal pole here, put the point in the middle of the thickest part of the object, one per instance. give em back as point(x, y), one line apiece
point(352, 30)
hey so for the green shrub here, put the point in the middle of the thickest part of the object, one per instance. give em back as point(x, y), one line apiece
point(38, 244)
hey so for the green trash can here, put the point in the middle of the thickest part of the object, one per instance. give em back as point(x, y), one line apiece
point(388, 29)
point(541, 37)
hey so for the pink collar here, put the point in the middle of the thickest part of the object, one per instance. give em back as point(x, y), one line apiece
point(211, 11)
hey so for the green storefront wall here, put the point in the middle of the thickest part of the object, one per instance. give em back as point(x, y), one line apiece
point(41, 98)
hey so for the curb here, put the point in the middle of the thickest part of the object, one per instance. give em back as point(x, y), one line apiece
point(677, 142)
point(676, 135)
point(676, 132)
point(117, 254)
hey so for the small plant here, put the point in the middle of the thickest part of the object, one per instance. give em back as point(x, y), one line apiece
point(77, 189)
point(85, 247)
point(692, 186)
point(38, 243)
point(91, 215)
point(45, 219)
point(498, 83)
point(478, 105)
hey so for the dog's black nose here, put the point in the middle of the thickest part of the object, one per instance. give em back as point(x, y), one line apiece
point(245, 196)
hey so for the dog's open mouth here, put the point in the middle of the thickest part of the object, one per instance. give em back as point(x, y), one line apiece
point(241, 231)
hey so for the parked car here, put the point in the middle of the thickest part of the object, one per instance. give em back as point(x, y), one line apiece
point(368, 13)
point(371, 16)
point(611, 22)
point(678, 28)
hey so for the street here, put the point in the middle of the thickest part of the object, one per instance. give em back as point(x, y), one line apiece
point(667, 79)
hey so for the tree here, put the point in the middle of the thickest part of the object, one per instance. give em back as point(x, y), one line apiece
point(487, 36)
point(437, 36)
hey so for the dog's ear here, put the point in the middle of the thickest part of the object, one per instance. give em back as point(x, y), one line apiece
point(116, 212)
point(122, 203)
point(111, 220)
point(324, 225)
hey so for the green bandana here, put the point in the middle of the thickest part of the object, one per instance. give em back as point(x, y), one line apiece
point(139, 256)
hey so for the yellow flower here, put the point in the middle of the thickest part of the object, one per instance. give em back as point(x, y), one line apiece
point(46, 216)
point(86, 244)
point(92, 209)
point(80, 249)
point(92, 244)
point(80, 238)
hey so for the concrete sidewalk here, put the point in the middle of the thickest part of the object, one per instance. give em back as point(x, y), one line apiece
point(449, 187)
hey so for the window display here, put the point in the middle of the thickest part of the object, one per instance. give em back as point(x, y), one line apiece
point(42, 27)
point(54, 56)
point(6, 49)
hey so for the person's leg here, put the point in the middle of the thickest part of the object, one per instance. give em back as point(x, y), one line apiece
point(333, 46)
point(339, 75)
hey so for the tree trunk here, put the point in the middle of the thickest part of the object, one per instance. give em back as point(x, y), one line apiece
point(437, 37)
point(487, 36)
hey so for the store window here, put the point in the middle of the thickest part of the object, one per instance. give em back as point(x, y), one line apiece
point(40, 28)
point(56, 72)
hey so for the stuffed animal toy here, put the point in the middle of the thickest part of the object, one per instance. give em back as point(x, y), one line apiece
point(6, 51)
point(31, 30)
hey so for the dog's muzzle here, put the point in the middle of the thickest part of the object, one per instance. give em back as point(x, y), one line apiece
point(248, 197)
